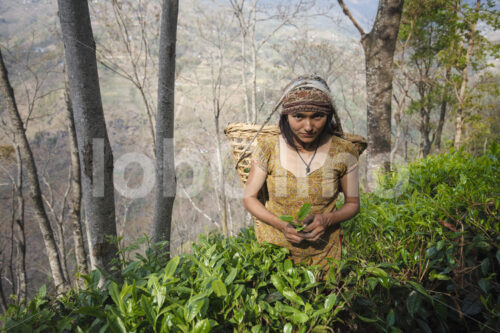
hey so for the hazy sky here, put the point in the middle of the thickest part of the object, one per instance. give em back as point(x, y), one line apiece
point(364, 11)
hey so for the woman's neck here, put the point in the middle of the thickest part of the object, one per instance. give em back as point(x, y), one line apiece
point(309, 147)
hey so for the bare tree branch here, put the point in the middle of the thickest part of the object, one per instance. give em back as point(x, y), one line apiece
point(349, 15)
point(198, 208)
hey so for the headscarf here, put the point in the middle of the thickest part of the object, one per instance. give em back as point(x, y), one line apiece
point(310, 93)
point(307, 93)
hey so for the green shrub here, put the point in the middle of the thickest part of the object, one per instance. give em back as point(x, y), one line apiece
point(424, 260)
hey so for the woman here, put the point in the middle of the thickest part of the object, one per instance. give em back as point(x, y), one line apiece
point(309, 162)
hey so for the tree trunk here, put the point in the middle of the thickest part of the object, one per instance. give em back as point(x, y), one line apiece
point(74, 215)
point(379, 46)
point(442, 117)
point(459, 121)
point(13, 239)
point(30, 166)
point(397, 138)
point(21, 264)
point(254, 81)
point(60, 241)
point(425, 142)
point(21, 235)
point(165, 165)
point(401, 103)
point(244, 75)
point(94, 148)
point(3, 299)
point(442, 113)
point(220, 168)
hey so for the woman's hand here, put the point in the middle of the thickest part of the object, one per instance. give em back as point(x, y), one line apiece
point(292, 235)
point(316, 227)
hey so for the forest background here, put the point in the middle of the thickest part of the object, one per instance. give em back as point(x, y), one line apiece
point(216, 85)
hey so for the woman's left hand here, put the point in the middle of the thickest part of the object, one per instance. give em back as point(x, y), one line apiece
point(316, 227)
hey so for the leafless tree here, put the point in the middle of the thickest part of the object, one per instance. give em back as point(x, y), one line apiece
point(165, 165)
point(3, 299)
point(126, 46)
point(251, 14)
point(74, 214)
point(214, 33)
point(95, 153)
point(28, 162)
point(332, 62)
point(17, 233)
point(58, 214)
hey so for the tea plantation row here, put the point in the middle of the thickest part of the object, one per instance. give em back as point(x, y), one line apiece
point(422, 256)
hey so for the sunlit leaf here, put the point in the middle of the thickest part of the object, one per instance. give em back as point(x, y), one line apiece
point(219, 288)
point(292, 296)
point(194, 307)
point(330, 301)
point(231, 276)
point(171, 267)
point(202, 326)
point(277, 282)
point(377, 271)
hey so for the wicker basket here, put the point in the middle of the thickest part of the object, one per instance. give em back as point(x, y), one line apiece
point(241, 134)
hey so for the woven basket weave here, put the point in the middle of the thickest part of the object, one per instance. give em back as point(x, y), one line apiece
point(240, 135)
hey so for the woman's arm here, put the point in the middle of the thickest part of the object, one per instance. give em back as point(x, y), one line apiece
point(321, 222)
point(256, 179)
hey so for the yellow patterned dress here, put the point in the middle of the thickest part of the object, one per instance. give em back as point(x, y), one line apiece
point(287, 194)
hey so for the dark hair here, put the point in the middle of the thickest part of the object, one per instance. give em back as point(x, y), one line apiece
point(330, 128)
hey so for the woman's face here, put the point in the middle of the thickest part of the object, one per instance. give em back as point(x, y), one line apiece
point(307, 125)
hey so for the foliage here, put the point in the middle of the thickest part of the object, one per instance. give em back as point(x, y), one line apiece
point(424, 260)
point(435, 35)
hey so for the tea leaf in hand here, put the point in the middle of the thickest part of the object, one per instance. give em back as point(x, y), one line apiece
point(304, 211)
point(286, 218)
point(302, 227)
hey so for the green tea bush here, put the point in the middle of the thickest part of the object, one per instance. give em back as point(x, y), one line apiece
point(424, 260)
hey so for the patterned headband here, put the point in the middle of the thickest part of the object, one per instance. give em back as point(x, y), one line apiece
point(307, 95)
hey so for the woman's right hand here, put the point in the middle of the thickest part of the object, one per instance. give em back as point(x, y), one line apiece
point(291, 234)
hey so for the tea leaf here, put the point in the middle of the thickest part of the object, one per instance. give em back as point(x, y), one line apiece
point(377, 271)
point(292, 296)
point(193, 308)
point(171, 267)
point(391, 318)
point(219, 288)
point(330, 301)
point(232, 274)
point(202, 326)
point(286, 218)
point(303, 212)
point(366, 319)
point(413, 303)
point(302, 227)
point(278, 283)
